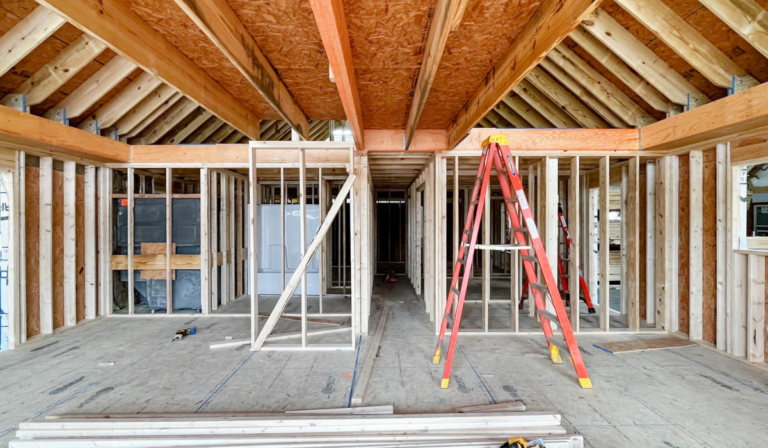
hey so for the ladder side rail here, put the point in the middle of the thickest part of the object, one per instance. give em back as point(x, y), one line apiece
point(560, 312)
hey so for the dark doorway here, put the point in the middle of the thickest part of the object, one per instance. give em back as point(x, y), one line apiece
point(390, 231)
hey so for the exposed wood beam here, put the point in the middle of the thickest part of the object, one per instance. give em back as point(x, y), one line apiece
point(497, 120)
point(548, 26)
point(27, 35)
point(486, 123)
point(220, 134)
point(332, 24)
point(582, 94)
point(599, 86)
point(551, 111)
point(440, 28)
point(147, 111)
point(46, 81)
point(746, 17)
point(95, 87)
point(530, 114)
point(741, 115)
point(622, 71)
point(237, 135)
point(123, 102)
point(665, 24)
point(220, 23)
point(643, 60)
point(113, 22)
point(42, 137)
point(166, 122)
point(205, 131)
point(198, 117)
point(270, 130)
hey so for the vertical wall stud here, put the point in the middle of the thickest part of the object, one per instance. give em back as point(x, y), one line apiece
point(623, 237)
point(650, 243)
point(604, 253)
point(205, 242)
point(90, 241)
point(696, 211)
point(70, 246)
point(10, 181)
point(721, 164)
point(549, 220)
point(130, 240)
point(169, 239)
point(253, 236)
point(574, 224)
point(45, 242)
point(21, 224)
point(214, 229)
point(633, 244)
point(224, 237)
point(232, 259)
point(755, 308)
point(486, 257)
point(323, 247)
point(303, 241)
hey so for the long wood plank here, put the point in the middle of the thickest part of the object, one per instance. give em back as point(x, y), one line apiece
point(361, 385)
point(746, 17)
point(125, 32)
point(45, 242)
point(632, 242)
point(70, 245)
point(39, 25)
point(548, 26)
point(220, 23)
point(696, 248)
point(38, 136)
point(332, 24)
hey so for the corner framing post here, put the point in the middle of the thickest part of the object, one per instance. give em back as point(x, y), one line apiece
point(574, 224)
point(604, 254)
point(205, 242)
point(696, 210)
point(721, 168)
point(70, 244)
point(168, 239)
point(90, 241)
point(130, 241)
point(303, 240)
point(45, 242)
point(650, 243)
point(633, 244)
point(253, 236)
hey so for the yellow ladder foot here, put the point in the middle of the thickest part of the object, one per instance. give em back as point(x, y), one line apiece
point(585, 383)
point(554, 353)
point(444, 383)
point(436, 358)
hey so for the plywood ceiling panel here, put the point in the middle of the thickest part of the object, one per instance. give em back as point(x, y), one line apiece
point(484, 36)
point(287, 34)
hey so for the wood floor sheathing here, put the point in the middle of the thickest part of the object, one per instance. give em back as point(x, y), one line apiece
point(678, 398)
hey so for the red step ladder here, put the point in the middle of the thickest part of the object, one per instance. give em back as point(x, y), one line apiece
point(496, 153)
point(561, 269)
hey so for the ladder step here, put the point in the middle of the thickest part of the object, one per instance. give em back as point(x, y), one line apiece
point(505, 247)
point(541, 287)
point(530, 258)
point(548, 315)
point(510, 200)
point(566, 276)
point(559, 343)
point(449, 318)
point(519, 229)
point(462, 261)
point(473, 203)
point(455, 291)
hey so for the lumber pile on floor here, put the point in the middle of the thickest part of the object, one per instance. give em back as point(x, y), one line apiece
point(296, 430)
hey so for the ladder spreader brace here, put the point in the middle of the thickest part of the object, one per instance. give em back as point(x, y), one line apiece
point(496, 153)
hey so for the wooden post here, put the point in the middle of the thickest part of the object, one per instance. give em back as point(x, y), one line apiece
point(205, 241)
point(550, 219)
point(231, 259)
point(735, 306)
point(239, 240)
point(429, 240)
point(672, 213)
point(21, 193)
point(696, 211)
point(70, 245)
point(650, 243)
point(283, 195)
point(756, 308)
point(574, 229)
point(253, 236)
point(592, 208)
point(214, 229)
point(303, 241)
point(105, 241)
point(623, 237)
point(666, 194)
point(605, 267)
point(45, 244)
point(633, 244)
point(224, 237)
point(168, 239)
point(10, 181)
point(323, 247)
point(130, 241)
point(722, 238)
point(90, 241)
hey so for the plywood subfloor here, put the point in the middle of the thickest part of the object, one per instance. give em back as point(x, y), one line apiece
point(683, 398)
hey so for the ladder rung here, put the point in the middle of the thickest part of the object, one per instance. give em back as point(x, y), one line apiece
point(530, 258)
point(566, 276)
point(455, 291)
point(462, 261)
point(559, 344)
point(541, 287)
point(449, 319)
point(510, 200)
point(473, 203)
point(468, 232)
point(520, 229)
point(548, 315)
point(498, 246)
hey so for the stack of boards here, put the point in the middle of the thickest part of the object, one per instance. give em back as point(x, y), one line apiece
point(296, 430)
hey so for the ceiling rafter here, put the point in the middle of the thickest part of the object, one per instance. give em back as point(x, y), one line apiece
point(220, 23)
point(39, 25)
point(545, 106)
point(746, 17)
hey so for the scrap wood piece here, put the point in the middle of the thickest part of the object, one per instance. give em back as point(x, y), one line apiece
point(644, 345)
point(511, 406)
point(365, 373)
point(362, 410)
point(309, 319)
